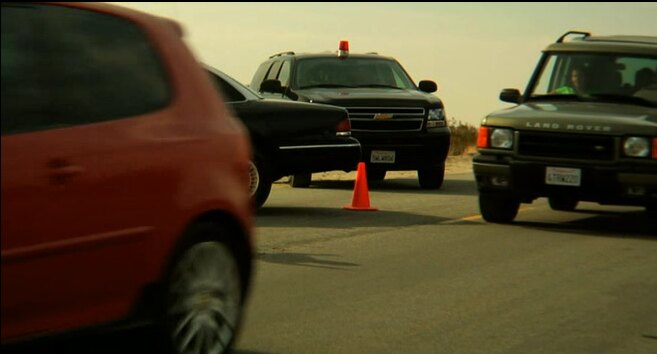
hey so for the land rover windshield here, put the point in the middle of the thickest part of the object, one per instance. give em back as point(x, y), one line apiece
point(597, 77)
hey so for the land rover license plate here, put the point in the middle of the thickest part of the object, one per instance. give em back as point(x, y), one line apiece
point(562, 176)
point(382, 156)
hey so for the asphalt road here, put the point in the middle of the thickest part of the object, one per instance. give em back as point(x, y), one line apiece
point(425, 274)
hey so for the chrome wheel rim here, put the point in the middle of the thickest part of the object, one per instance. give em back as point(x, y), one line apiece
point(254, 178)
point(205, 299)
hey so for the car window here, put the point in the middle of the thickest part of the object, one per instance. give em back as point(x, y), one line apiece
point(352, 72)
point(259, 76)
point(273, 72)
point(284, 74)
point(600, 75)
point(230, 93)
point(64, 67)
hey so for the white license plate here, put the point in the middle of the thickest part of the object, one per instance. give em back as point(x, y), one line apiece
point(382, 156)
point(562, 176)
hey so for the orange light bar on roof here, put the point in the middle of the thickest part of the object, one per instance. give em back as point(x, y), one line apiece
point(343, 49)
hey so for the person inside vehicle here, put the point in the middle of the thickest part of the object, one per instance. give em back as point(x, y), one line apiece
point(643, 78)
point(646, 85)
point(578, 82)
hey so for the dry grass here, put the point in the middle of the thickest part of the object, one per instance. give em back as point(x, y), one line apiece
point(464, 138)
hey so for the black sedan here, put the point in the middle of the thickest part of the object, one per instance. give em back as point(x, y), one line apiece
point(289, 138)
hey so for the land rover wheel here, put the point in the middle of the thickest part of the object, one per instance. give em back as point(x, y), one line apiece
point(498, 208)
point(563, 203)
point(300, 180)
point(204, 299)
point(259, 182)
point(431, 177)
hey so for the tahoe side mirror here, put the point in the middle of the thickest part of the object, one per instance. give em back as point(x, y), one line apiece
point(271, 86)
point(510, 95)
point(428, 86)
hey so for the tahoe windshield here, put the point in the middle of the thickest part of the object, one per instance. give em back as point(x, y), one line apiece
point(597, 77)
point(351, 72)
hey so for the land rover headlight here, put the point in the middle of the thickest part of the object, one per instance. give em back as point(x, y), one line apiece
point(635, 146)
point(501, 138)
point(436, 118)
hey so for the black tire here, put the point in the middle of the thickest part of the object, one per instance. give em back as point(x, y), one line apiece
point(301, 180)
point(431, 177)
point(204, 296)
point(563, 203)
point(260, 182)
point(498, 208)
point(375, 175)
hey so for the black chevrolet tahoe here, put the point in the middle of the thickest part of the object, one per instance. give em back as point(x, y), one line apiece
point(585, 129)
point(400, 126)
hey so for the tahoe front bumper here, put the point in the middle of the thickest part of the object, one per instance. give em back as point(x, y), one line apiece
point(412, 150)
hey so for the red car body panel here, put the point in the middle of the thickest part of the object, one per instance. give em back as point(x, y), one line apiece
point(92, 213)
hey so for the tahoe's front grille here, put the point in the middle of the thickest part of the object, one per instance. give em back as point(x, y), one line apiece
point(567, 146)
point(386, 118)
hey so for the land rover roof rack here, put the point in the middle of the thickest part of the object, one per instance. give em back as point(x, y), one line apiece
point(583, 34)
point(281, 54)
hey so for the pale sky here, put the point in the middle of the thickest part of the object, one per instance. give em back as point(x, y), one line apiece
point(471, 50)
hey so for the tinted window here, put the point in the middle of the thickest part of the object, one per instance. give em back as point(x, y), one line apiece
point(230, 93)
point(350, 72)
point(273, 72)
point(284, 75)
point(64, 67)
point(597, 74)
point(259, 76)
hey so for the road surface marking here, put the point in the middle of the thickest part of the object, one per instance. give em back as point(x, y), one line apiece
point(477, 217)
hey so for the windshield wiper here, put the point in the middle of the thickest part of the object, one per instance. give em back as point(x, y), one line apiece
point(324, 86)
point(380, 85)
point(610, 97)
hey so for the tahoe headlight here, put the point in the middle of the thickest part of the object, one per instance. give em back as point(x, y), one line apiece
point(437, 114)
point(501, 138)
point(436, 118)
point(635, 146)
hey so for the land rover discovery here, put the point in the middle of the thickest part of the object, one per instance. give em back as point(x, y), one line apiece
point(585, 129)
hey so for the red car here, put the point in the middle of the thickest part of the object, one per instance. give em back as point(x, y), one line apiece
point(124, 179)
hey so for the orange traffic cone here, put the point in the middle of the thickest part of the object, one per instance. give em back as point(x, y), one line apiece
point(361, 199)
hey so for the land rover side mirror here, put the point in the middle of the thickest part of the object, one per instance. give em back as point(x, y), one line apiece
point(510, 95)
point(428, 86)
point(273, 86)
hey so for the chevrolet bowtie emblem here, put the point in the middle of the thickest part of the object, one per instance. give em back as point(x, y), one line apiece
point(383, 116)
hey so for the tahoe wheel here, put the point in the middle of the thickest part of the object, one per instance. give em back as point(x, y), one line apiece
point(431, 177)
point(204, 299)
point(563, 203)
point(300, 180)
point(498, 208)
point(259, 182)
